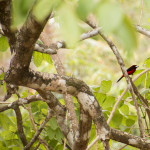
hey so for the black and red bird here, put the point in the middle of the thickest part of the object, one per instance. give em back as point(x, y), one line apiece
point(130, 71)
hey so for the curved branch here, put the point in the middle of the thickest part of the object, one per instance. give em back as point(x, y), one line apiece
point(129, 139)
point(83, 133)
point(20, 125)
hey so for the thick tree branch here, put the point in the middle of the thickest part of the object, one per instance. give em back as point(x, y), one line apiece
point(83, 133)
point(20, 125)
point(5, 21)
point(75, 87)
point(129, 139)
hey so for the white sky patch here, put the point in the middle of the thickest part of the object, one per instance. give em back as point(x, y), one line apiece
point(132, 141)
point(86, 100)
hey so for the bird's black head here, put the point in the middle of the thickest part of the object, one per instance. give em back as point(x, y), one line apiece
point(134, 66)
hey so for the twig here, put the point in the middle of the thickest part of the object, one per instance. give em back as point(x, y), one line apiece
point(37, 146)
point(90, 34)
point(143, 31)
point(93, 142)
point(41, 49)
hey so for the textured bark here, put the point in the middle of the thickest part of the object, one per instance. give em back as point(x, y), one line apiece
point(129, 139)
point(20, 125)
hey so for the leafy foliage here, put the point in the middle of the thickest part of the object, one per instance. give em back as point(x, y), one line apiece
point(3, 44)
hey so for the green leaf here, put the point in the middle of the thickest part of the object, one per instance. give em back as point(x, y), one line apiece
point(85, 7)
point(4, 87)
point(148, 80)
point(37, 58)
point(51, 133)
point(109, 15)
point(2, 76)
point(147, 62)
point(125, 109)
point(53, 123)
point(59, 136)
point(20, 11)
point(3, 44)
point(140, 80)
point(43, 8)
point(127, 35)
point(108, 102)
point(116, 120)
point(100, 97)
point(130, 122)
point(5, 121)
point(69, 24)
point(126, 94)
point(47, 58)
point(59, 147)
point(24, 94)
point(44, 111)
point(106, 86)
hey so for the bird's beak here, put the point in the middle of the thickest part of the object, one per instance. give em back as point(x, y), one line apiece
point(137, 66)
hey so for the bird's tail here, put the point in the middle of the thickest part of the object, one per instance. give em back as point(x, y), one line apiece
point(120, 79)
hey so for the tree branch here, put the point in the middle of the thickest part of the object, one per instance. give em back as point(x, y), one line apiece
point(83, 133)
point(20, 125)
point(142, 30)
point(129, 139)
point(6, 20)
point(21, 102)
point(41, 49)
